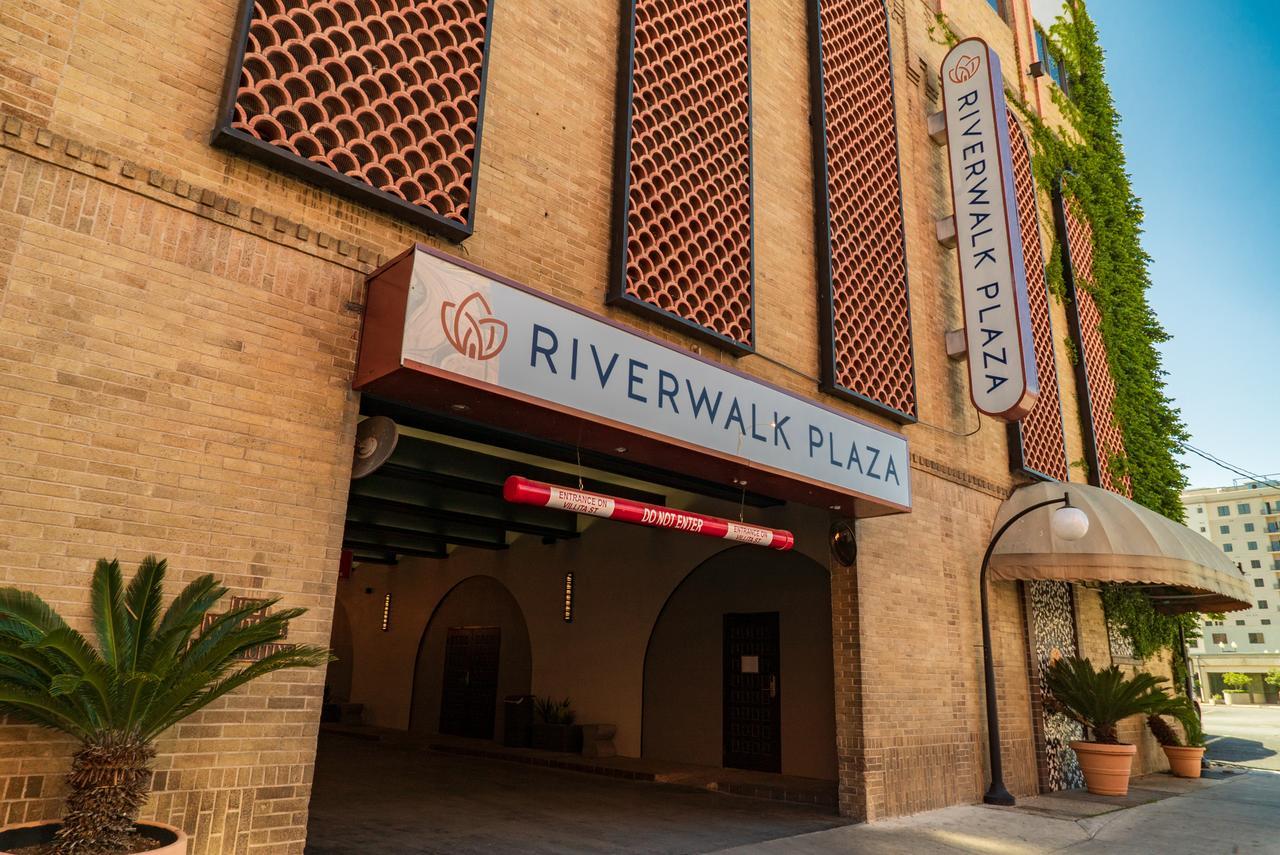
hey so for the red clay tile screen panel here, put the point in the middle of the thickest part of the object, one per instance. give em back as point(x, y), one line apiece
point(685, 182)
point(377, 99)
point(1105, 442)
point(866, 323)
point(1040, 445)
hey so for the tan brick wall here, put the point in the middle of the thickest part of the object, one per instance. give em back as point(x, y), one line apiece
point(177, 386)
point(177, 327)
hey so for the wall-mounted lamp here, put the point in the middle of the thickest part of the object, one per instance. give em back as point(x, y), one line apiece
point(386, 612)
point(568, 598)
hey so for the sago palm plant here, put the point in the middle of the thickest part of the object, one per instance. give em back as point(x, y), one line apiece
point(1182, 709)
point(150, 669)
point(1100, 699)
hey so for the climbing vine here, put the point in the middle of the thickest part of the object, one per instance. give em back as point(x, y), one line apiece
point(1149, 630)
point(1089, 158)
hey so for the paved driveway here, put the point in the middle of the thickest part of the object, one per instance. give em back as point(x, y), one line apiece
point(1249, 735)
point(370, 797)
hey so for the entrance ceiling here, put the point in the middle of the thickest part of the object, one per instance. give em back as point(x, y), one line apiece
point(432, 494)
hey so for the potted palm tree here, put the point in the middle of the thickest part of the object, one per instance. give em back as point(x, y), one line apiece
point(1099, 700)
point(553, 728)
point(1184, 754)
point(150, 669)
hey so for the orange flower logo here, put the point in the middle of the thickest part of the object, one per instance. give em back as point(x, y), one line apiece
point(965, 68)
point(472, 329)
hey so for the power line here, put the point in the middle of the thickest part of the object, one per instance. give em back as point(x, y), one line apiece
point(1229, 467)
point(1244, 473)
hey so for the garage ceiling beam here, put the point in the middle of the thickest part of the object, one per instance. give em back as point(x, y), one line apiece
point(410, 500)
point(373, 406)
point(451, 466)
point(393, 537)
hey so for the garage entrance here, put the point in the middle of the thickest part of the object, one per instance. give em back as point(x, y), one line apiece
point(672, 657)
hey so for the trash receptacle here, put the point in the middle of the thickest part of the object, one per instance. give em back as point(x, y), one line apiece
point(517, 716)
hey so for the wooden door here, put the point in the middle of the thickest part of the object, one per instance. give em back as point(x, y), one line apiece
point(469, 698)
point(752, 692)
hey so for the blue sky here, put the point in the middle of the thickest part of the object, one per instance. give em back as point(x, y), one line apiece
point(1194, 83)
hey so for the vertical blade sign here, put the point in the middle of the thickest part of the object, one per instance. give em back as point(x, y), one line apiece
point(993, 284)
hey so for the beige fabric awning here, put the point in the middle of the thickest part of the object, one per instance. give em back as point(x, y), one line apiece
point(1126, 542)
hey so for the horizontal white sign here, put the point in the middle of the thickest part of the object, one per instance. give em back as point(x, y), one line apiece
point(1002, 362)
point(460, 321)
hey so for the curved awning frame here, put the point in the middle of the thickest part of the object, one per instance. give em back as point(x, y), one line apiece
point(1126, 544)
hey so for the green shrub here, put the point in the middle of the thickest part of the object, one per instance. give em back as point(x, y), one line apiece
point(1236, 682)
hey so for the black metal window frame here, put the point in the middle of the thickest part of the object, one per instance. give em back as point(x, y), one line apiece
point(229, 138)
point(617, 292)
point(822, 221)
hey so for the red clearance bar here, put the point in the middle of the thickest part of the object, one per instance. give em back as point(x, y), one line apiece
point(522, 491)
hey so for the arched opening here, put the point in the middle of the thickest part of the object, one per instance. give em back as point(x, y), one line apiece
point(742, 649)
point(337, 678)
point(474, 652)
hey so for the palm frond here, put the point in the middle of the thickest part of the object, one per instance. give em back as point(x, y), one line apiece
point(180, 621)
point(148, 670)
point(41, 708)
point(215, 653)
point(1099, 699)
point(109, 616)
point(1181, 708)
point(295, 656)
point(211, 644)
point(72, 654)
point(142, 604)
point(24, 616)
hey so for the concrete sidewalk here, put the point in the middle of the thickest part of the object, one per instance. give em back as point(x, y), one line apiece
point(1240, 814)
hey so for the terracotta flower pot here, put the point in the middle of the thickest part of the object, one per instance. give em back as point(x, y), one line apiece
point(1183, 761)
point(169, 840)
point(1106, 767)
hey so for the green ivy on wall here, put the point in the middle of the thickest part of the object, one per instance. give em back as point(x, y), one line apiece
point(1092, 163)
point(1149, 630)
point(1089, 158)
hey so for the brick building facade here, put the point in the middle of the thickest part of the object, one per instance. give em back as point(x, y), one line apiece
point(179, 327)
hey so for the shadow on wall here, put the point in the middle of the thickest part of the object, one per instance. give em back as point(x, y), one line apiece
point(684, 664)
point(478, 601)
point(337, 679)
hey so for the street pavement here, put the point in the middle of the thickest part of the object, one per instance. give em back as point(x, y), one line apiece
point(1247, 735)
point(1239, 815)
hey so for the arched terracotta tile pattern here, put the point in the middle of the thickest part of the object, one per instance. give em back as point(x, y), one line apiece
point(1104, 441)
point(385, 92)
point(866, 334)
point(1040, 446)
point(686, 223)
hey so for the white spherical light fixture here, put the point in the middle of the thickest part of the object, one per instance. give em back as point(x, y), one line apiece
point(1069, 523)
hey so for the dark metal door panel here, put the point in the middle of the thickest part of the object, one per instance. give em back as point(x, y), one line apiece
point(482, 694)
point(469, 696)
point(752, 692)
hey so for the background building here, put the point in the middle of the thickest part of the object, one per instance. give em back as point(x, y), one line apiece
point(1244, 521)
